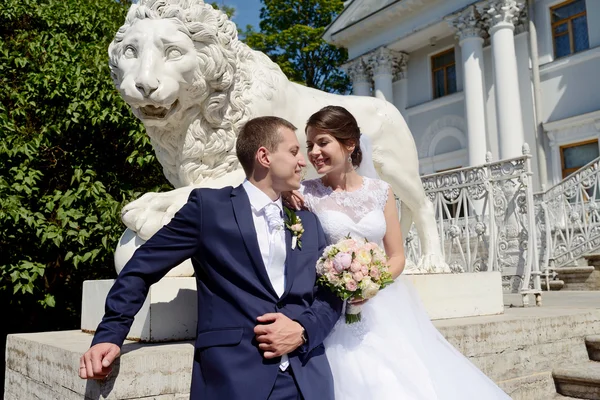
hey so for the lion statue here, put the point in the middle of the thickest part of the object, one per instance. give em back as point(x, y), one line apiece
point(193, 84)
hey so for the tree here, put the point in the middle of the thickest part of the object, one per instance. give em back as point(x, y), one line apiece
point(228, 10)
point(71, 154)
point(291, 35)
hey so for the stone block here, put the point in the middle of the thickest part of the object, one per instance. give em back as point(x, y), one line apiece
point(581, 381)
point(532, 387)
point(460, 295)
point(45, 366)
point(169, 313)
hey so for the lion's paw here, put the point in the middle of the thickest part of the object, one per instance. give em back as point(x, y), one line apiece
point(146, 215)
point(434, 264)
point(410, 268)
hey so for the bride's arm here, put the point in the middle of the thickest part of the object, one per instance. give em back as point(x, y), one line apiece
point(392, 241)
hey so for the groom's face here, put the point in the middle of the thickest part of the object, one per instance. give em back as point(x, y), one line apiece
point(286, 162)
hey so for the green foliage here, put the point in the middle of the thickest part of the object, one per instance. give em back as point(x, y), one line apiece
point(291, 35)
point(228, 10)
point(71, 155)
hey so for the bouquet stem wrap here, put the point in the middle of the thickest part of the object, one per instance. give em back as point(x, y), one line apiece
point(353, 313)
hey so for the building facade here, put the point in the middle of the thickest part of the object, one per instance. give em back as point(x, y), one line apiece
point(472, 77)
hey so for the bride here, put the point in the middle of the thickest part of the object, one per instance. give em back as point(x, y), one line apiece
point(394, 352)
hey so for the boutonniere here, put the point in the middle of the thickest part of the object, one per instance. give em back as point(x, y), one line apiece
point(294, 224)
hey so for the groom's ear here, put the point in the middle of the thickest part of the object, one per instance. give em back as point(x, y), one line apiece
point(263, 157)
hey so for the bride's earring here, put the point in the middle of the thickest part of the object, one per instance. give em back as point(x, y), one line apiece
point(350, 158)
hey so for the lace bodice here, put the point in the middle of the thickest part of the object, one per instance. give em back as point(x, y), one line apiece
point(358, 213)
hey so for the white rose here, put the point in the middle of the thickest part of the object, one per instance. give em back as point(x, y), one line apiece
point(347, 277)
point(368, 288)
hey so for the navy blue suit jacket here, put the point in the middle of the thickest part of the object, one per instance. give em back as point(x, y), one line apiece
point(215, 229)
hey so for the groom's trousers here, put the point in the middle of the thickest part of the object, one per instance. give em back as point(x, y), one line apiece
point(285, 387)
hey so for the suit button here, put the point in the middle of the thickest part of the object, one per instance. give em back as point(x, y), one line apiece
point(279, 305)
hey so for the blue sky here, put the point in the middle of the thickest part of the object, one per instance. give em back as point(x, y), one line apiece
point(247, 11)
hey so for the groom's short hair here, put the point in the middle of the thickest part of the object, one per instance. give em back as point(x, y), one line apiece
point(256, 133)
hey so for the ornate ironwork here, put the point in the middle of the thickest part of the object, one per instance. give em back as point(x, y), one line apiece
point(486, 221)
point(568, 219)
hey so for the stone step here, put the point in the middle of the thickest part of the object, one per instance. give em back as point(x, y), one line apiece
point(580, 381)
point(578, 277)
point(593, 347)
point(556, 284)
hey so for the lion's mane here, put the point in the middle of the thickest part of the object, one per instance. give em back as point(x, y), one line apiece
point(220, 91)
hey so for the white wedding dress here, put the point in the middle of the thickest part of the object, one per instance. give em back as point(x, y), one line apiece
point(394, 352)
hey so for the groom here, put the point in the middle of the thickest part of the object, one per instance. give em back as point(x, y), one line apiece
point(261, 319)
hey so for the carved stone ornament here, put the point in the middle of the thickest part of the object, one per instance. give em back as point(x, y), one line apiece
point(384, 61)
point(504, 11)
point(358, 71)
point(469, 23)
point(381, 61)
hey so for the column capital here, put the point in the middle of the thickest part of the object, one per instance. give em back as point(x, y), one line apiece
point(357, 70)
point(505, 12)
point(384, 61)
point(469, 23)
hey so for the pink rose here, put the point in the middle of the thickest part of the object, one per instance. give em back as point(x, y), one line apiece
point(365, 270)
point(296, 227)
point(355, 266)
point(358, 276)
point(375, 273)
point(328, 265)
point(351, 285)
point(342, 261)
point(350, 244)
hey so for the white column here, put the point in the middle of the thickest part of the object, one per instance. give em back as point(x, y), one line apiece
point(400, 81)
point(502, 17)
point(470, 32)
point(382, 63)
point(359, 74)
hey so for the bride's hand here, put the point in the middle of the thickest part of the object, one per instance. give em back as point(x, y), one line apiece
point(357, 301)
point(293, 200)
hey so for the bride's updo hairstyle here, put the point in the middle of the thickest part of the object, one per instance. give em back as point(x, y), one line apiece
point(339, 123)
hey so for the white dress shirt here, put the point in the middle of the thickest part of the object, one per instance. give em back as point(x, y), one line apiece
point(271, 240)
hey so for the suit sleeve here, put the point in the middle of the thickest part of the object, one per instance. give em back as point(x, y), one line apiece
point(319, 319)
point(172, 244)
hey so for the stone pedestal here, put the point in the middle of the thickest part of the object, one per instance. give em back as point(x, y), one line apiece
point(169, 313)
point(460, 295)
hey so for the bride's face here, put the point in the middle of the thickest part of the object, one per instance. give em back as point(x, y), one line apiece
point(325, 152)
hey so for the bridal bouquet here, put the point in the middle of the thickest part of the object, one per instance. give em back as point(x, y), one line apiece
point(353, 269)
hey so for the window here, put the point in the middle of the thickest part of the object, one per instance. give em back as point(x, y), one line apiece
point(569, 28)
point(443, 71)
point(575, 156)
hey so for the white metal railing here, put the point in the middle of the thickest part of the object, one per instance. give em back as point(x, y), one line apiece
point(486, 221)
point(568, 219)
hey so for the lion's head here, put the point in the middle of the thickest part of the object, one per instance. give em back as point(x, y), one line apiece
point(180, 66)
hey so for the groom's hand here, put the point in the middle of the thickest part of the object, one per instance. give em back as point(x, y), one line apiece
point(96, 363)
point(278, 335)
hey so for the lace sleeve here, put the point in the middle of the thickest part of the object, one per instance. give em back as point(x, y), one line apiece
point(380, 191)
point(307, 191)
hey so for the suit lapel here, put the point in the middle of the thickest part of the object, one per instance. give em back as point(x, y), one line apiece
point(290, 262)
point(243, 216)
